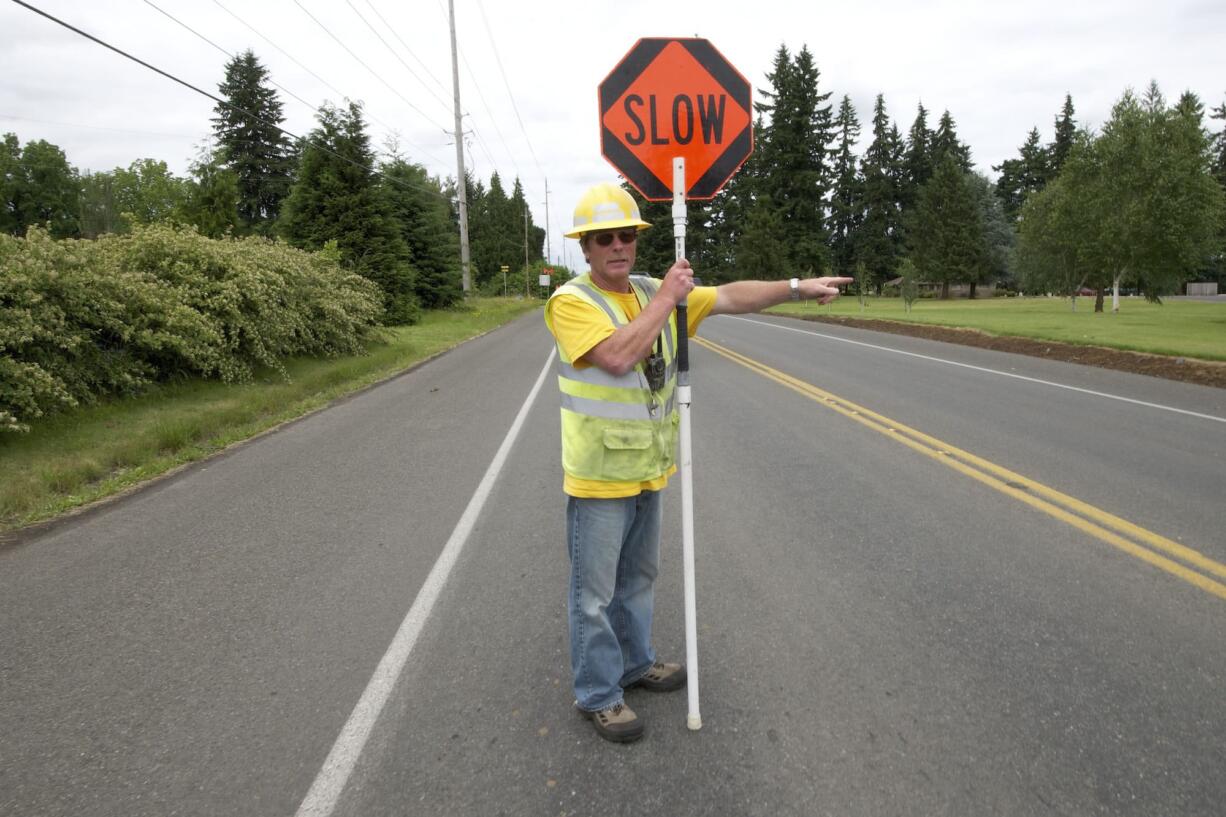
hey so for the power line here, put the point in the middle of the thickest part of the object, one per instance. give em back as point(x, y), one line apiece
point(224, 51)
point(220, 101)
point(368, 68)
point(480, 139)
point(408, 50)
point(493, 119)
point(333, 88)
point(446, 107)
point(341, 94)
point(484, 148)
point(514, 107)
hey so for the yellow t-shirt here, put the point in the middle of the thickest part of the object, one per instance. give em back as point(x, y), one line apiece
point(578, 326)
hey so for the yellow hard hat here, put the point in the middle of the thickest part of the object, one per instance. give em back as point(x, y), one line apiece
point(605, 207)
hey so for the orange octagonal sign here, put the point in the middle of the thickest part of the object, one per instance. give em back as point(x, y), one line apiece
point(675, 97)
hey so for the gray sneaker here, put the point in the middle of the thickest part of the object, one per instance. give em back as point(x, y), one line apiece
point(661, 678)
point(617, 723)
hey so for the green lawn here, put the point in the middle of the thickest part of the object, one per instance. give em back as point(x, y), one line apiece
point(76, 458)
point(1182, 328)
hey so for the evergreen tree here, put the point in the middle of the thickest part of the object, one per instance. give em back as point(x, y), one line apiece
point(422, 213)
point(1066, 132)
point(1219, 147)
point(795, 171)
point(336, 198)
point(251, 144)
point(847, 195)
point(210, 198)
point(655, 250)
point(998, 233)
point(731, 210)
point(917, 162)
point(719, 222)
point(495, 232)
point(1216, 269)
point(1022, 176)
point(761, 250)
point(805, 188)
point(947, 243)
point(945, 143)
point(898, 155)
point(1189, 105)
point(528, 231)
point(878, 238)
point(10, 181)
point(481, 269)
point(767, 157)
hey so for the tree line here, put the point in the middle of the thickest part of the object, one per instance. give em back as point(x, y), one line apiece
point(1138, 204)
point(388, 218)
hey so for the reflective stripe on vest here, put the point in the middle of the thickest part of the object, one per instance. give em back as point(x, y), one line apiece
point(613, 428)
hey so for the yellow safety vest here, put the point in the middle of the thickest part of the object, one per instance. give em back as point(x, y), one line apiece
point(614, 428)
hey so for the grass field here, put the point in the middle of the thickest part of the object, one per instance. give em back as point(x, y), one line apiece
point(1181, 328)
point(79, 457)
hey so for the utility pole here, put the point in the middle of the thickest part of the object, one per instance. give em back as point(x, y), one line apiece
point(527, 291)
point(462, 179)
point(548, 251)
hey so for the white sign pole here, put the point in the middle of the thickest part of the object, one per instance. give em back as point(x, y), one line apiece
point(694, 718)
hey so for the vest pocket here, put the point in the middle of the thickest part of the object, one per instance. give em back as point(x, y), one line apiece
point(628, 453)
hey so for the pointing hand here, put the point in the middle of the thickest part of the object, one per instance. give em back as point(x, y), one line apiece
point(823, 290)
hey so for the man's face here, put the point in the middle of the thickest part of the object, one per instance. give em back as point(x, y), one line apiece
point(610, 253)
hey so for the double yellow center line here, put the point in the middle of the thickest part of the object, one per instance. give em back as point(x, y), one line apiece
point(1164, 554)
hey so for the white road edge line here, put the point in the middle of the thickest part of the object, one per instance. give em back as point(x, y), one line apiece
point(983, 369)
point(330, 783)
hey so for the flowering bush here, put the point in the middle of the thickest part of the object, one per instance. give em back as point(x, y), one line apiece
point(84, 319)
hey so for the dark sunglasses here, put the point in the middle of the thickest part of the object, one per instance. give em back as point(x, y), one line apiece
point(624, 236)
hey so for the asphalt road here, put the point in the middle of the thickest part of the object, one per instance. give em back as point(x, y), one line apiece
point(880, 631)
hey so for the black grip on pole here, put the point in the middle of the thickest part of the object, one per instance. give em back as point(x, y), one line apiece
point(683, 339)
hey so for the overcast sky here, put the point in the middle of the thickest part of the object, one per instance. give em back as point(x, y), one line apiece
point(529, 71)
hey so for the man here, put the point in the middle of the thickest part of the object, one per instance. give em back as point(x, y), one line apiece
point(617, 340)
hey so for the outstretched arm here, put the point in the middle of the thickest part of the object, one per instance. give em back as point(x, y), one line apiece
point(753, 296)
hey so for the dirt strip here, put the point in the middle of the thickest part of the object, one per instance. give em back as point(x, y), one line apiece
point(1190, 370)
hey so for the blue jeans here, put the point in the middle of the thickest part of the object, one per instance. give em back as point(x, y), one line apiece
point(614, 558)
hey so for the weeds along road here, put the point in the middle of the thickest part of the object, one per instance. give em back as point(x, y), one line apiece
point(931, 579)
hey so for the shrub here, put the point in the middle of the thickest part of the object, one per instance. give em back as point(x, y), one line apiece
point(85, 319)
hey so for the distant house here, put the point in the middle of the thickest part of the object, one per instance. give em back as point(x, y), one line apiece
point(930, 289)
